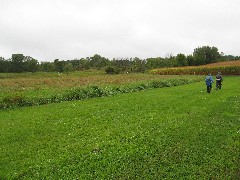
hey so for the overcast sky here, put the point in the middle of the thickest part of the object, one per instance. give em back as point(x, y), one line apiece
point(68, 29)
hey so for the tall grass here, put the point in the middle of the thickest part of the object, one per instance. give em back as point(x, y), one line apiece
point(168, 133)
point(80, 93)
point(28, 89)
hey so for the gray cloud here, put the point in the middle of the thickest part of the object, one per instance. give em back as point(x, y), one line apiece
point(68, 29)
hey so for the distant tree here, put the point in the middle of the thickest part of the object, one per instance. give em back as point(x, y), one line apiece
point(47, 66)
point(30, 64)
point(98, 61)
point(75, 63)
point(17, 63)
point(181, 60)
point(84, 63)
point(5, 65)
point(170, 60)
point(156, 63)
point(122, 64)
point(138, 65)
point(191, 60)
point(68, 67)
point(206, 55)
point(229, 58)
point(151, 63)
point(59, 65)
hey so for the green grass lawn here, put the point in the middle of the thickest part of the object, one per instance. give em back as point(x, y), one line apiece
point(173, 133)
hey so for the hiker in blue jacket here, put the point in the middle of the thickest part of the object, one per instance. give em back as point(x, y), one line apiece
point(209, 81)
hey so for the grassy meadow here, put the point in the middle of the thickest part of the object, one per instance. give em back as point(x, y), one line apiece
point(29, 89)
point(178, 132)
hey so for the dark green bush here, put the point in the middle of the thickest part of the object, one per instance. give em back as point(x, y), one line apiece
point(112, 70)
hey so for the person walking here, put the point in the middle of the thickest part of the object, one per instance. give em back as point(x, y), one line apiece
point(219, 80)
point(209, 81)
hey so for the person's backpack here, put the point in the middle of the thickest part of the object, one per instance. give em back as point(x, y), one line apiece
point(219, 77)
point(208, 80)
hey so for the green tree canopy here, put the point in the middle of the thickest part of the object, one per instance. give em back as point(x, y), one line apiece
point(17, 63)
point(181, 60)
point(206, 55)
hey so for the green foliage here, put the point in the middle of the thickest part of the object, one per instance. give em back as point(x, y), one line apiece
point(80, 93)
point(97, 61)
point(206, 55)
point(68, 67)
point(5, 65)
point(191, 61)
point(47, 67)
point(59, 65)
point(201, 55)
point(17, 63)
point(123, 65)
point(30, 64)
point(168, 133)
point(181, 60)
point(110, 70)
point(138, 65)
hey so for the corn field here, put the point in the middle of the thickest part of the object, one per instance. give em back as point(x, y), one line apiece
point(226, 68)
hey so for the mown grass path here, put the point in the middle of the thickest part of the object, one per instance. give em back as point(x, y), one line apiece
point(174, 133)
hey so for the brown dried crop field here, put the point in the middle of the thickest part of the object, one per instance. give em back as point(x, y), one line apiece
point(226, 63)
point(217, 64)
point(28, 89)
point(69, 80)
point(226, 68)
point(45, 84)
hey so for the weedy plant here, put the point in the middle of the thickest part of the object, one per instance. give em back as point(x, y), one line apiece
point(111, 85)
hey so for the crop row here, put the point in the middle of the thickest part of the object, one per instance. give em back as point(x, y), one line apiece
point(201, 70)
point(81, 93)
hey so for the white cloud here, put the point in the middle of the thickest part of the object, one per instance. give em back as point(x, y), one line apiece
point(68, 29)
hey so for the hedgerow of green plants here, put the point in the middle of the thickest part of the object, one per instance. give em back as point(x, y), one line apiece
point(225, 70)
point(80, 93)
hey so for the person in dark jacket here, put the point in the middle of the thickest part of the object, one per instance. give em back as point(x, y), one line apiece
point(219, 80)
point(209, 81)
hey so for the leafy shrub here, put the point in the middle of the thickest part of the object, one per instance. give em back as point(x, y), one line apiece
point(109, 70)
point(112, 70)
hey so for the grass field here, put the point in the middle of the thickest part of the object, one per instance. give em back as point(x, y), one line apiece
point(169, 133)
point(27, 89)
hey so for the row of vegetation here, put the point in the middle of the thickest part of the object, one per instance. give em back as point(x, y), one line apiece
point(80, 93)
point(166, 133)
point(201, 55)
point(226, 69)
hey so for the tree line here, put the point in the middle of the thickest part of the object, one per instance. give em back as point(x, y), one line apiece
point(201, 55)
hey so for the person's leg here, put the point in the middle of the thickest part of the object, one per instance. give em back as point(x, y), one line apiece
point(208, 89)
